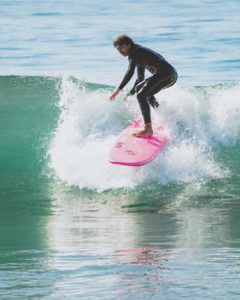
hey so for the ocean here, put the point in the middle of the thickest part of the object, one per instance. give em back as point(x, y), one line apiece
point(74, 226)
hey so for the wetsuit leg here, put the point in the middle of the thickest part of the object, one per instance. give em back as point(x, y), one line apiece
point(153, 101)
point(146, 90)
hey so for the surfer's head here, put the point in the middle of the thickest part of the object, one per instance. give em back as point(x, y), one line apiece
point(123, 44)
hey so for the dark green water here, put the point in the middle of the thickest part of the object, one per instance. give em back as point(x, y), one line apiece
point(156, 240)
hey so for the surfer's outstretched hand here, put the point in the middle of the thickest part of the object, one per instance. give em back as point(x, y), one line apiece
point(114, 95)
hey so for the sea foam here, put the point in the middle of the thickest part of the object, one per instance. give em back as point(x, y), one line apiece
point(197, 120)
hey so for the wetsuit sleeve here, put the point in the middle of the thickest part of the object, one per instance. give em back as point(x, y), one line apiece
point(129, 74)
point(140, 72)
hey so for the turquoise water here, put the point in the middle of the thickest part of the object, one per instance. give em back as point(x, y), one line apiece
point(73, 226)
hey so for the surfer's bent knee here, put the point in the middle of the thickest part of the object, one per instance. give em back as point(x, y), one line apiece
point(174, 77)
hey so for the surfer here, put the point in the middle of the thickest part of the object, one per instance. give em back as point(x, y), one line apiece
point(163, 76)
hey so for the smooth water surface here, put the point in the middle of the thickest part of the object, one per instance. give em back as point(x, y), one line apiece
point(201, 39)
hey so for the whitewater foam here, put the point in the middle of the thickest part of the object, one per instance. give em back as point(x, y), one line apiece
point(195, 119)
point(225, 112)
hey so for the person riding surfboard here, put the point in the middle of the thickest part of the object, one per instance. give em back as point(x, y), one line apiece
point(163, 76)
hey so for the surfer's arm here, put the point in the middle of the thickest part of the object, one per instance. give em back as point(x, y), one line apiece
point(128, 75)
point(126, 78)
point(114, 95)
point(141, 76)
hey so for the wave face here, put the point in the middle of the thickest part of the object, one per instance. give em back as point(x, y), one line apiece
point(64, 128)
point(29, 113)
point(202, 122)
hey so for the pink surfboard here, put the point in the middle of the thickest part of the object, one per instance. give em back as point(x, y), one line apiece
point(137, 151)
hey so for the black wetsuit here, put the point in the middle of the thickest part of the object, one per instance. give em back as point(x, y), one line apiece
point(164, 75)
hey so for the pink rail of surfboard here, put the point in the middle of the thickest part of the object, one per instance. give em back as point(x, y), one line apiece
point(137, 151)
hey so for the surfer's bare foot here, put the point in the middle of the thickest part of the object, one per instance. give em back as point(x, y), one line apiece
point(148, 131)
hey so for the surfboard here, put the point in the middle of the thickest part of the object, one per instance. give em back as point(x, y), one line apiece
point(129, 150)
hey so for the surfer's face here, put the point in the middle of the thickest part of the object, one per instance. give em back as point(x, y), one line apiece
point(123, 49)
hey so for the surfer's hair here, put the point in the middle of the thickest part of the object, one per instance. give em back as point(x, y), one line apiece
point(123, 39)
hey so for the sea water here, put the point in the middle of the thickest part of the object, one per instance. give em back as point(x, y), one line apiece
point(73, 226)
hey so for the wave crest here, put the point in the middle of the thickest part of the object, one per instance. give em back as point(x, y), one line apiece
point(199, 121)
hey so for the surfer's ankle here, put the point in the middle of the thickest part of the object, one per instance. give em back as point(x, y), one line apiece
point(148, 128)
point(147, 131)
